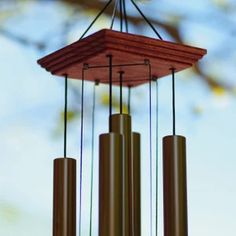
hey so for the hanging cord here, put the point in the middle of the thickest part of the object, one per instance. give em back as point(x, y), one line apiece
point(95, 19)
point(173, 100)
point(125, 16)
point(65, 116)
point(121, 16)
point(150, 140)
point(114, 14)
point(92, 165)
point(146, 19)
point(121, 92)
point(81, 148)
point(110, 88)
point(129, 99)
point(157, 149)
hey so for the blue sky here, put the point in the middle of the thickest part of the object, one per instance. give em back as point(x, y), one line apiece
point(32, 99)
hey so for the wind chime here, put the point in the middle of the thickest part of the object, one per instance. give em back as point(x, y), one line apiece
point(121, 59)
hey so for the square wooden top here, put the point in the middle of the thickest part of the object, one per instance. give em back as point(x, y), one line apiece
point(131, 54)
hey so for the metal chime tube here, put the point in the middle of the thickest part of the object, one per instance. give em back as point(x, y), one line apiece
point(175, 186)
point(121, 124)
point(110, 184)
point(136, 184)
point(64, 197)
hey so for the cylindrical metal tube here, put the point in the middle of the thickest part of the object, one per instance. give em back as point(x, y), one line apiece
point(136, 184)
point(64, 197)
point(121, 123)
point(175, 186)
point(110, 184)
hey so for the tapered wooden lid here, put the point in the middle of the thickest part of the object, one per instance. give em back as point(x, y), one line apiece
point(125, 48)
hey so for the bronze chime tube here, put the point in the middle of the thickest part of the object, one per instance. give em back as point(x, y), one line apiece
point(136, 184)
point(175, 186)
point(121, 124)
point(64, 197)
point(110, 184)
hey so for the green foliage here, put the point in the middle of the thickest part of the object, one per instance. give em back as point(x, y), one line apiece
point(9, 213)
point(71, 116)
point(223, 4)
point(104, 101)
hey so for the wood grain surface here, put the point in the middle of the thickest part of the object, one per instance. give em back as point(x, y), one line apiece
point(125, 48)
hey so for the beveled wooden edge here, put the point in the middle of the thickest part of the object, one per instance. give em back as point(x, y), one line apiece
point(134, 47)
point(153, 41)
point(109, 35)
point(67, 48)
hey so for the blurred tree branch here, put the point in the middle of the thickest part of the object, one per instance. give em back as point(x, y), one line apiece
point(39, 45)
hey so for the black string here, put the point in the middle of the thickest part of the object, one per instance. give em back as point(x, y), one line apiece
point(129, 100)
point(157, 149)
point(92, 165)
point(81, 149)
point(121, 16)
point(110, 87)
point(114, 14)
point(123, 10)
point(95, 19)
point(117, 81)
point(146, 19)
point(150, 140)
point(121, 92)
point(125, 16)
point(173, 100)
point(117, 65)
point(65, 116)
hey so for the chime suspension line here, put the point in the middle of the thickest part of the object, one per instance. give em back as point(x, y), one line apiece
point(92, 158)
point(96, 18)
point(114, 14)
point(150, 144)
point(173, 101)
point(81, 150)
point(110, 88)
point(125, 16)
point(129, 99)
point(121, 16)
point(127, 80)
point(146, 19)
point(117, 65)
point(157, 150)
point(65, 115)
point(121, 91)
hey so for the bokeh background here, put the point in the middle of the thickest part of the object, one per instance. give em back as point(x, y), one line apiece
point(31, 116)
